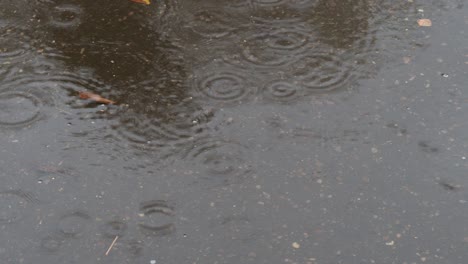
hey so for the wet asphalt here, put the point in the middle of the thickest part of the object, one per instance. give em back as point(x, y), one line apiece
point(246, 131)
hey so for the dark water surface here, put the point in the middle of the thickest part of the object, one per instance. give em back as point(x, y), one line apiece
point(245, 131)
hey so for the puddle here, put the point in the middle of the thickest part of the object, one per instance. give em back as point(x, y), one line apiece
point(246, 131)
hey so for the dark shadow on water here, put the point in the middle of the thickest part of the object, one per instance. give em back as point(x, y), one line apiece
point(341, 24)
point(114, 40)
point(120, 48)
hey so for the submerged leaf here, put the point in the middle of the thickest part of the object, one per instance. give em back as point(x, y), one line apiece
point(424, 22)
point(406, 60)
point(146, 2)
point(95, 97)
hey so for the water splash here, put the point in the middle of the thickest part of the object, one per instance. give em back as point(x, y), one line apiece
point(164, 133)
point(73, 224)
point(274, 48)
point(221, 83)
point(52, 243)
point(65, 16)
point(15, 46)
point(211, 23)
point(13, 205)
point(322, 72)
point(219, 162)
point(24, 101)
point(18, 109)
point(156, 218)
point(283, 91)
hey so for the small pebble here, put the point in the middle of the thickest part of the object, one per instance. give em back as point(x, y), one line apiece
point(296, 245)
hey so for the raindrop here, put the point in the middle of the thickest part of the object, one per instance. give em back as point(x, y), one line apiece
point(210, 23)
point(13, 205)
point(19, 109)
point(268, 2)
point(73, 224)
point(321, 72)
point(222, 84)
point(161, 131)
point(134, 247)
point(26, 99)
point(66, 16)
point(14, 46)
point(166, 9)
point(114, 228)
point(280, 16)
point(274, 48)
point(237, 227)
point(51, 243)
point(282, 91)
point(220, 163)
point(156, 218)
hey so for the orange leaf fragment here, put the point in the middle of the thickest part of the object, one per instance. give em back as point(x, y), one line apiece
point(424, 22)
point(95, 97)
point(146, 2)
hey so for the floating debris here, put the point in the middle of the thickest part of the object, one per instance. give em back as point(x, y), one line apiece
point(424, 22)
point(146, 2)
point(95, 97)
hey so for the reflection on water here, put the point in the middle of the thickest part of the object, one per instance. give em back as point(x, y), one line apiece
point(179, 71)
point(329, 18)
point(15, 45)
point(216, 52)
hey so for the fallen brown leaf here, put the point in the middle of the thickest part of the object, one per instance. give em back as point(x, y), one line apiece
point(424, 22)
point(146, 2)
point(95, 97)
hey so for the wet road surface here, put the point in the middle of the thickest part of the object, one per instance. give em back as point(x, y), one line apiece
point(246, 131)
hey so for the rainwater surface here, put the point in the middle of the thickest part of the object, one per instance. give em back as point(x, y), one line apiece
point(243, 131)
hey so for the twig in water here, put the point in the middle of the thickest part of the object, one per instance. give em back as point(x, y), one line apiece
point(112, 245)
